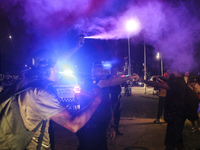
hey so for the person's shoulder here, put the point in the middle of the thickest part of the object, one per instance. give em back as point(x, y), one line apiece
point(171, 82)
point(40, 85)
point(89, 83)
point(177, 82)
point(180, 80)
point(176, 79)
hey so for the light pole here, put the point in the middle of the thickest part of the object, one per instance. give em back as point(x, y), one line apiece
point(145, 68)
point(131, 26)
point(129, 57)
point(158, 56)
point(11, 39)
point(161, 63)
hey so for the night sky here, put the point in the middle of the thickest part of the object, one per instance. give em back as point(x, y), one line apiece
point(170, 27)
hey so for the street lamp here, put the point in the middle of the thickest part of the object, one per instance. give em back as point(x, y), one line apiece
point(131, 26)
point(145, 68)
point(158, 56)
point(11, 38)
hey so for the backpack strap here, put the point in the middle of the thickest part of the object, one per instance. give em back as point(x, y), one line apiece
point(21, 91)
point(37, 127)
point(43, 122)
point(41, 134)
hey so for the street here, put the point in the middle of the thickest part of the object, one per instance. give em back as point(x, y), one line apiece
point(136, 123)
point(138, 114)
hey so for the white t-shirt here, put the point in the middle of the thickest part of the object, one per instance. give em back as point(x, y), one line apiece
point(37, 104)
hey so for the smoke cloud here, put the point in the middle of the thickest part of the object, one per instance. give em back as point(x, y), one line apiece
point(172, 28)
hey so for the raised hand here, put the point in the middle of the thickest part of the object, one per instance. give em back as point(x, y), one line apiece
point(134, 77)
point(81, 41)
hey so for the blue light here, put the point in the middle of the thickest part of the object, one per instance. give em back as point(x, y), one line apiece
point(67, 72)
point(68, 79)
point(107, 65)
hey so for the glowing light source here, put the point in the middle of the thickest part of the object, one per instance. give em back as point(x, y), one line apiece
point(140, 83)
point(107, 65)
point(10, 37)
point(65, 69)
point(67, 72)
point(158, 55)
point(77, 89)
point(132, 25)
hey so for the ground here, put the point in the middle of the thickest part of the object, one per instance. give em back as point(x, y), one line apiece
point(140, 133)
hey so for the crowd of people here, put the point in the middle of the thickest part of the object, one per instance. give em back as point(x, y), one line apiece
point(172, 98)
point(100, 105)
point(90, 123)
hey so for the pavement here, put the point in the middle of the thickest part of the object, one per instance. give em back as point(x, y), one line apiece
point(138, 134)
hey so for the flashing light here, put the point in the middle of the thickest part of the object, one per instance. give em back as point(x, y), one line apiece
point(67, 72)
point(107, 65)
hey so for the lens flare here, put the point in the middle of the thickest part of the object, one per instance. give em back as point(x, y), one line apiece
point(132, 25)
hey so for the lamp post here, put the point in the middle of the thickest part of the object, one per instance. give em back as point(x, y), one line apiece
point(129, 57)
point(158, 56)
point(161, 63)
point(11, 40)
point(145, 68)
point(131, 26)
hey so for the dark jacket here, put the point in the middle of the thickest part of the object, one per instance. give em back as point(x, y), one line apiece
point(175, 99)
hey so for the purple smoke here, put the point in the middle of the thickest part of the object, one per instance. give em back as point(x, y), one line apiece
point(172, 28)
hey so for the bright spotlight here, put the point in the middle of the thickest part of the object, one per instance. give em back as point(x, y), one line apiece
point(132, 25)
point(67, 72)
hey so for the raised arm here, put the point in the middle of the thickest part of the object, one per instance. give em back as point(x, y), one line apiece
point(71, 52)
point(163, 85)
point(115, 81)
point(77, 121)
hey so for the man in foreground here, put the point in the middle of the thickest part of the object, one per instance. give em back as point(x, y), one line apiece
point(93, 136)
point(40, 102)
